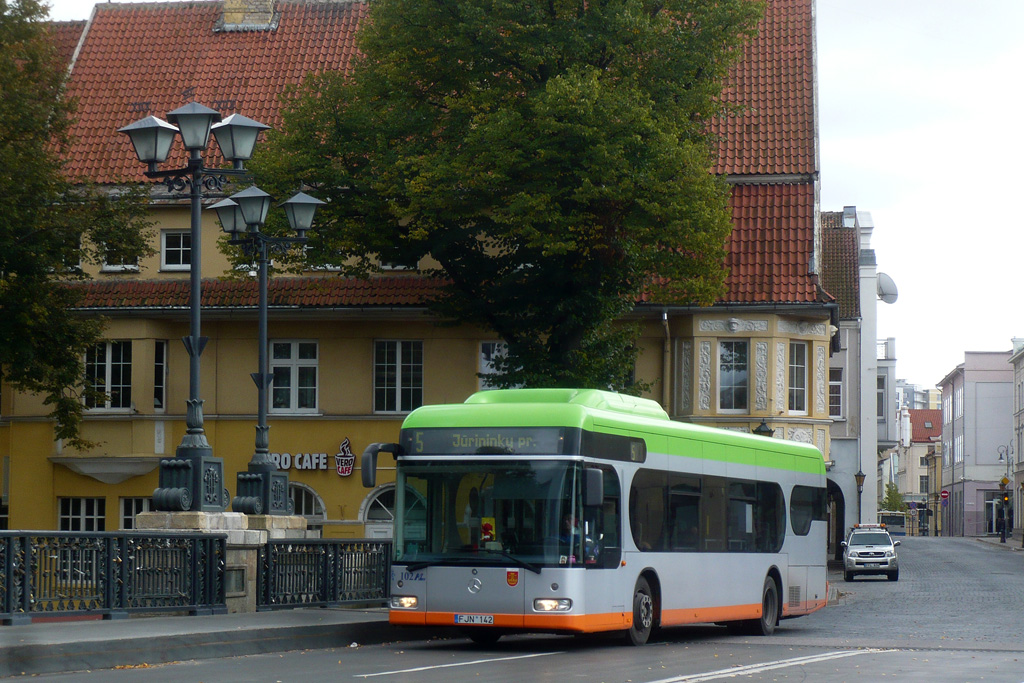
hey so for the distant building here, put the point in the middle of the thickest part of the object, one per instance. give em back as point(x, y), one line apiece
point(977, 428)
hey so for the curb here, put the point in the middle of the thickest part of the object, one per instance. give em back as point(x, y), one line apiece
point(147, 647)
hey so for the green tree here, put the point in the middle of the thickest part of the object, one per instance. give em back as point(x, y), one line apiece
point(893, 499)
point(551, 158)
point(49, 224)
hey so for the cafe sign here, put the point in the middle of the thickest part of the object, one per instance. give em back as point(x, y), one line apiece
point(344, 460)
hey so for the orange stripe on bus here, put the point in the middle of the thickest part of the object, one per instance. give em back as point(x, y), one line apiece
point(701, 615)
point(577, 623)
point(805, 607)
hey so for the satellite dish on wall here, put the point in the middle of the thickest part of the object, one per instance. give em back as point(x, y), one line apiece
point(887, 289)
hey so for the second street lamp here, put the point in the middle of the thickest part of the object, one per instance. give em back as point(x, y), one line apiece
point(193, 480)
point(262, 488)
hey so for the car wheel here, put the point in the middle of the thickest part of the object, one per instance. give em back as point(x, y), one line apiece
point(643, 614)
point(894, 576)
point(848, 576)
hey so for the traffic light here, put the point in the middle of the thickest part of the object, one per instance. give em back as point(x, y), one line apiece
point(1006, 498)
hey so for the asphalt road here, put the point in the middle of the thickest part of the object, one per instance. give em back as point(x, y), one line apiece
point(956, 614)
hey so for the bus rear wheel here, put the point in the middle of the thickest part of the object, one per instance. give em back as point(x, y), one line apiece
point(765, 625)
point(643, 614)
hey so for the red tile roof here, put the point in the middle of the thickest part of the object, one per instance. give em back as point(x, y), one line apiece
point(150, 58)
point(774, 82)
point(771, 245)
point(920, 432)
point(840, 263)
point(65, 36)
point(143, 58)
point(307, 292)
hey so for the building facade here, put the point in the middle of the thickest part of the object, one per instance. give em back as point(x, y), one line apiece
point(351, 357)
point(977, 428)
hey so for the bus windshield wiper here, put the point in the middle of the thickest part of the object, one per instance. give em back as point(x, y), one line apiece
point(464, 559)
point(515, 560)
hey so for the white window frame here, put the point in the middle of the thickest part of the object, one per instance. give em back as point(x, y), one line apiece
point(721, 386)
point(799, 378)
point(836, 390)
point(181, 250)
point(402, 390)
point(489, 351)
point(131, 506)
point(160, 348)
point(120, 267)
point(295, 366)
point(881, 385)
point(108, 363)
point(86, 513)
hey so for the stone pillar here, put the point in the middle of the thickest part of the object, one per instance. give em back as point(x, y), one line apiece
point(246, 535)
point(282, 526)
point(243, 544)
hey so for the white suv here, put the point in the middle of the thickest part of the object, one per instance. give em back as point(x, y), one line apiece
point(870, 550)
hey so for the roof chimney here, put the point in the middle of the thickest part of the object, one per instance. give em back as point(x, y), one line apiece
point(248, 14)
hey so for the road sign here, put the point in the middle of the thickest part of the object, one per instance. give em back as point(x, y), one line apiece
point(944, 494)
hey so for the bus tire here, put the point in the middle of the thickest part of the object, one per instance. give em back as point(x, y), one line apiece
point(643, 614)
point(765, 625)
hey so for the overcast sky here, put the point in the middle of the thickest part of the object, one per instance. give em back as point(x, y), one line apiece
point(920, 124)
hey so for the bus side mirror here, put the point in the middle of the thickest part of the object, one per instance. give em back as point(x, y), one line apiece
point(593, 487)
point(368, 465)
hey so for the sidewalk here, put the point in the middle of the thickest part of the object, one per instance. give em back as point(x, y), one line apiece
point(65, 646)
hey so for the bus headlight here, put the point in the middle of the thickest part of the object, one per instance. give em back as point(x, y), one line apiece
point(404, 602)
point(552, 605)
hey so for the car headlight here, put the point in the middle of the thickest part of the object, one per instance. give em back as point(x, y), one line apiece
point(854, 553)
point(890, 553)
point(404, 602)
point(552, 605)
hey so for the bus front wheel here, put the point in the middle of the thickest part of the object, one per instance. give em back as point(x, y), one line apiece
point(643, 614)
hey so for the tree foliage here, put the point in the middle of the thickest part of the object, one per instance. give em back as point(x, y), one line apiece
point(49, 224)
point(550, 159)
point(893, 499)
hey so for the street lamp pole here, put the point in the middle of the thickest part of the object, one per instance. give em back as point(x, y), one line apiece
point(1005, 456)
point(859, 477)
point(263, 488)
point(193, 480)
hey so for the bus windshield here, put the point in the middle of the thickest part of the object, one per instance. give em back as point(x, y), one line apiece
point(526, 512)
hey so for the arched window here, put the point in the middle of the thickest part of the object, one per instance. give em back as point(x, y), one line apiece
point(308, 504)
point(378, 511)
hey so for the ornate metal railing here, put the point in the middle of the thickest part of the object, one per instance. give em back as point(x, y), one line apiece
point(323, 572)
point(112, 574)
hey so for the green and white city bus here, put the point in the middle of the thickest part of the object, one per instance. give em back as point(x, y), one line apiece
point(579, 511)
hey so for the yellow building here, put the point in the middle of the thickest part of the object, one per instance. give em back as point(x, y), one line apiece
point(351, 358)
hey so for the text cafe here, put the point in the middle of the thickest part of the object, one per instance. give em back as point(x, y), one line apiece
point(344, 460)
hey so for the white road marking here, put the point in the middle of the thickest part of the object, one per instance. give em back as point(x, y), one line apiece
point(732, 672)
point(446, 666)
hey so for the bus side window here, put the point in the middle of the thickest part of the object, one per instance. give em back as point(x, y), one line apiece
point(715, 515)
point(647, 509)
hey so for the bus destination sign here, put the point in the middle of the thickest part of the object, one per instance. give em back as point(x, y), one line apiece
point(491, 441)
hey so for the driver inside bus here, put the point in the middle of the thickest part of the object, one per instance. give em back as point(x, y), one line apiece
point(570, 534)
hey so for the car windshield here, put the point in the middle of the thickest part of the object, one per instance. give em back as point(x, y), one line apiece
point(870, 538)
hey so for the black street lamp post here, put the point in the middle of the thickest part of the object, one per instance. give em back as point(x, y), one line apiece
point(262, 488)
point(859, 478)
point(1005, 456)
point(193, 480)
